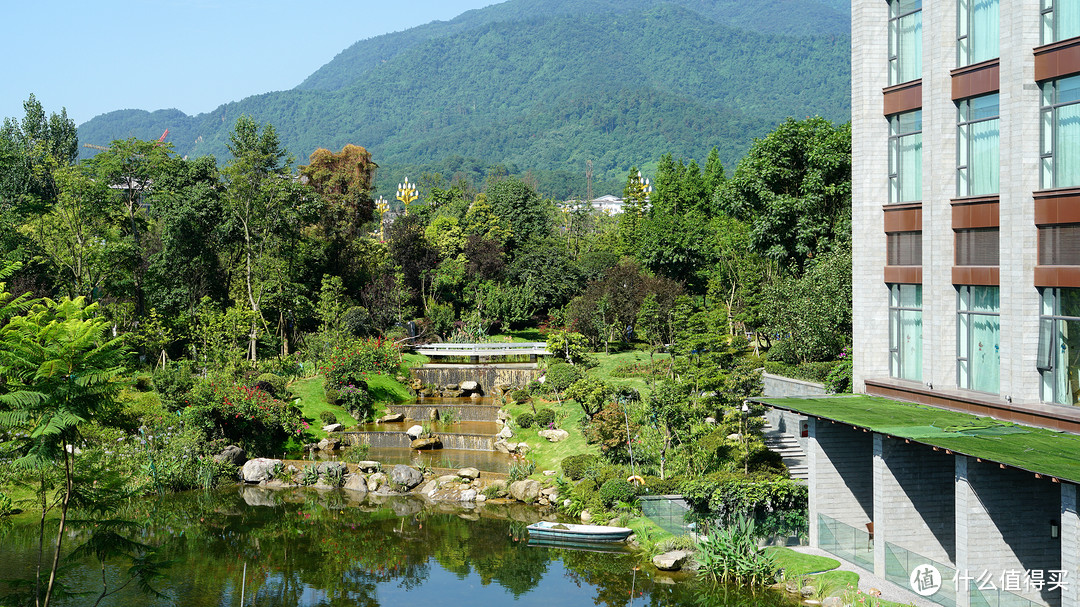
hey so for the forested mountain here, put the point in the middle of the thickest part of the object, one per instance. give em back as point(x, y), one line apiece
point(548, 85)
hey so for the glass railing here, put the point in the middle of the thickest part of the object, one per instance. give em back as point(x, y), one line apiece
point(997, 598)
point(668, 512)
point(847, 542)
point(899, 563)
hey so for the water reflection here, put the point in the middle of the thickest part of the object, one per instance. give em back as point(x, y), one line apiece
point(303, 547)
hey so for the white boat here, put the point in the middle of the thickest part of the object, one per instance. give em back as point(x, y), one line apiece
point(578, 533)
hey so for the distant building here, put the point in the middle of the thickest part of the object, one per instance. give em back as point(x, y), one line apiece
point(611, 205)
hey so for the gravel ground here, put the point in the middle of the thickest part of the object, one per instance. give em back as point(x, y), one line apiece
point(867, 580)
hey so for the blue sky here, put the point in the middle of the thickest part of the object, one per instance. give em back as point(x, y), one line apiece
point(96, 56)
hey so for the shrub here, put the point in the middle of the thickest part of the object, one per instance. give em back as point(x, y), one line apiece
point(520, 395)
point(309, 475)
point(250, 418)
point(838, 381)
point(617, 490)
point(575, 466)
point(275, 382)
point(520, 470)
point(356, 321)
point(327, 418)
point(610, 429)
point(525, 420)
point(333, 396)
point(358, 401)
point(6, 507)
point(654, 485)
point(545, 418)
point(731, 555)
point(561, 375)
point(350, 364)
point(143, 382)
point(172, 383)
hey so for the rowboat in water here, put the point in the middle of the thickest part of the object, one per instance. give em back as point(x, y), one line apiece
point(547, 530)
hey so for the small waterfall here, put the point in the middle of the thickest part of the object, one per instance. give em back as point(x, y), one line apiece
point(400, 440)
point(485, 375)
point(465, 413)
point(468, 442)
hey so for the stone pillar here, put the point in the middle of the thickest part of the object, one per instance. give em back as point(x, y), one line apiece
point(964, 499)
point(840, 475)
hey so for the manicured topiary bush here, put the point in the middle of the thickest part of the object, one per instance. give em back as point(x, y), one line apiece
point(617, 490)
point(525, 420)
point(545, 418)
point(520, 395)
point(328, 417)
point(276, 384)
point(333, 396)
point(560, 376)
point(575, 466)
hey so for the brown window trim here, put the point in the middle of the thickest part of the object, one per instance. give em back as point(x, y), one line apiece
point(974, 80)
point(1057, 59)
point(1057, 276)
point(906, 217)
point(909, 275)
point(1061, 205)
point(976, 212)
point(976, 275)
point(902, 97)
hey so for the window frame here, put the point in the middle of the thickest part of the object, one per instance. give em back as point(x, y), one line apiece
point(896, 15)
point(965, 34)
point(965, 338)
point(965, 142)
point(896, 141)
point(896, 310)
point(1049, 107)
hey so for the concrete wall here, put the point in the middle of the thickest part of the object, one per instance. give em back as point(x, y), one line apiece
point(914, 502)
point(841, 475)
point(1003, 523)
point(777, 386)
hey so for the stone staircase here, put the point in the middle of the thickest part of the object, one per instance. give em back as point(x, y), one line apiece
point(790, 450)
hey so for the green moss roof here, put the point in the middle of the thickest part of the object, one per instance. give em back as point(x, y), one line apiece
point(1049, 452)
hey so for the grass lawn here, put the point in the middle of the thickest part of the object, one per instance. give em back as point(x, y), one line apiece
point(383, 389)
point(820, 572)
point(548, 455)
point(609, 362)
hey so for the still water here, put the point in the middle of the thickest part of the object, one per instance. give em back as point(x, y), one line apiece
point(302, 547)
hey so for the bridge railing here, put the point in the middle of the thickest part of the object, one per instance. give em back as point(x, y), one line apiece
point(485, 349)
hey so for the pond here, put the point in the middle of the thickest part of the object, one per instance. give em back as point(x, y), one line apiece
point(302, 547)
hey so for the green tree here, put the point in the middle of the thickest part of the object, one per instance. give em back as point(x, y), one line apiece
point(519, 204)
point(794, 189)
point(60, 373)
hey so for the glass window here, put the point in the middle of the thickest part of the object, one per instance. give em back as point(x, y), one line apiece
point(1058, 360)
point(976, 31)
point(978, 344)
point(977, 247)
point(905, 331)
point(977, 142)
point(905, 157)
point(1060, 133)
point(905, 40)
point(1060, 20)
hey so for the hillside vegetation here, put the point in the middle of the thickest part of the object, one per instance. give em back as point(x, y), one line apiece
point(548, 86)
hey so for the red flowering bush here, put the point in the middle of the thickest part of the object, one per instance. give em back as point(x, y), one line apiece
point(248, 417)
point(351, 363)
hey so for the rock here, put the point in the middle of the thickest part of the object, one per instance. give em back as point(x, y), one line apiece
point(502, 416)
point(522, 448)
point(550, 492)
point(231, 454)
point(500, 487)
point(406, 476)
point(259, 469)
point(325, 468)
point(427, 443)
point(357, 483)
point(832, 601)
point(555, 435)
point(874, 592)
point(469, 473)
point(374, 481)
point(311, 446)
point(586, 517)
point(475, 395)
point(671, 561)
point(415, 431)
point(525, 491)
point(550, 473)
point(451, 387)
point(434, 415)
point(502, 446)
point(480, 497)
point(448, 478)
point(710, 420)
point(807, 591)
point(331, 427)
point(258, 496)
point(329, 444)
point(368, 466)
point(468, 495)
point(505, 433)
point(470, 386)
point(430, 487)
point(391, 418)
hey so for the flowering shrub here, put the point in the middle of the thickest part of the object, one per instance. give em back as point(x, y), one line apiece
point(350, 364)
point(244, 416)
point(356, 399)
